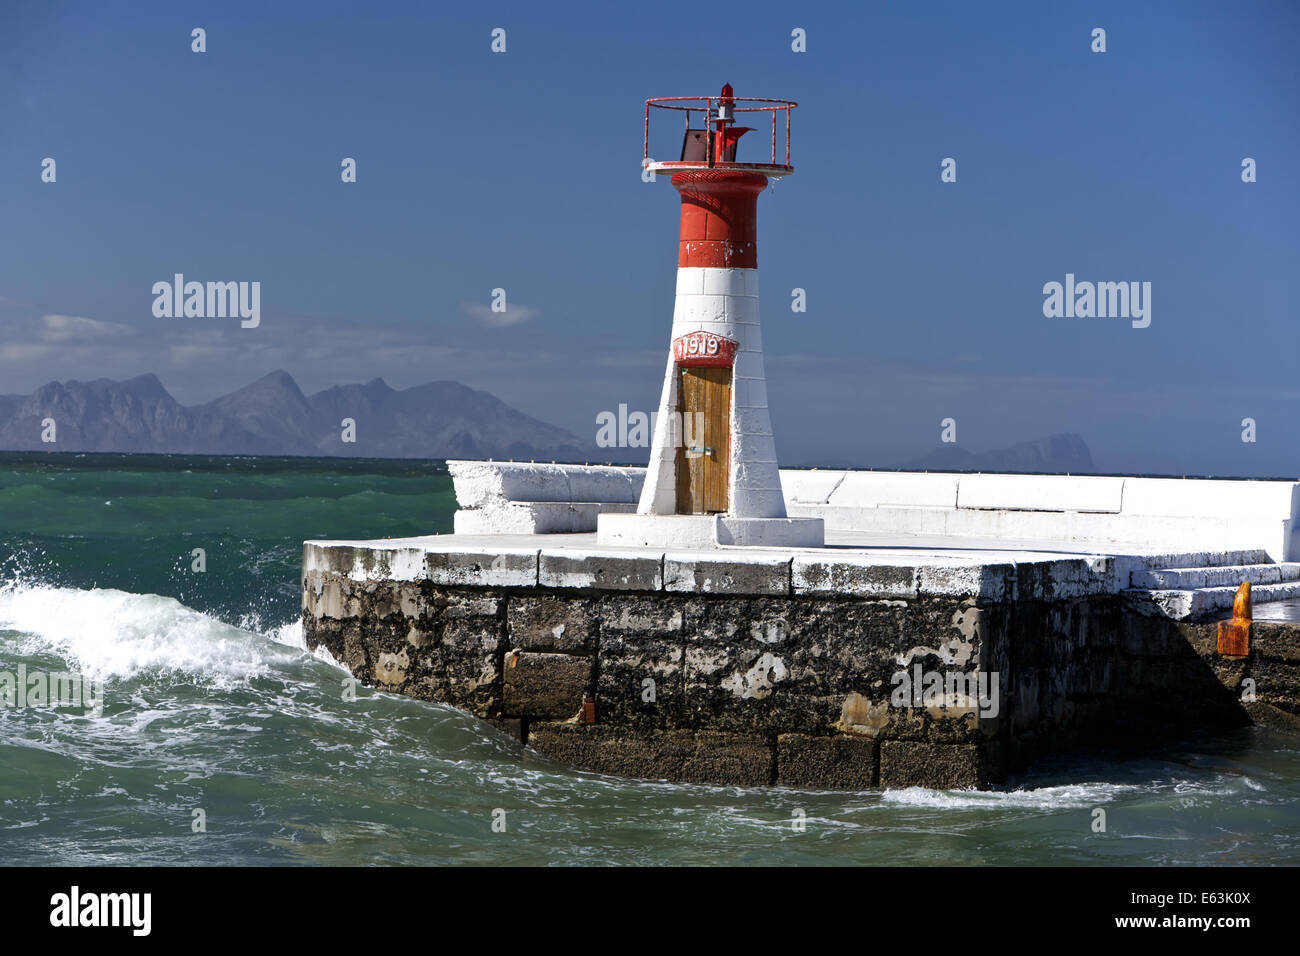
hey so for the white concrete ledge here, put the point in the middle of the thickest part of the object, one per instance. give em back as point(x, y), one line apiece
point(859, 576)
point(1171, 513)
point(658, 531)
point(731, 574)
point(536, 517)
point(480, 483)
point(807, 532)
point(503, 567)
point(602, 570)
point(1175, 584)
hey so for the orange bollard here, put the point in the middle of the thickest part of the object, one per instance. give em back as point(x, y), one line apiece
point(1234, 635)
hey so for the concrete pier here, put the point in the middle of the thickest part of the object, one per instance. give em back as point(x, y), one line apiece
point(877, 661)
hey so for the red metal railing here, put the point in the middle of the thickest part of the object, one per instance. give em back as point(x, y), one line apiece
point(707, 104)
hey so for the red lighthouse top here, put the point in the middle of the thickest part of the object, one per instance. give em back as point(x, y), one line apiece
point(714, 140)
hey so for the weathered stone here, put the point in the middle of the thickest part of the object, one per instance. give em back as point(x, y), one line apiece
point(851, 577)
point(354, 651)
point(838, 647)
point(1277, 683)
point(379, 599)
point(471, 604)
point(1230, 672)
point(335, 559)
point(512, 727)
point(410, 599)
point(818, 673)
point(390, 669)
point(742, 689)
point(640, 663)
point(472, 651)
point(737, 673)
point(498, 567)
point(552, 624)
point(750, 575)
point(1202, 638)
point(1279, 642)
point(427, 675)
point(825, 763)
point(861, 716)
point(419, 638)
point(1275, 718)
point(610, 571)
point(1061, 580)
point(991, 582)
point(909, 763)
point(625, 616)
point(326, 633)
point(678, 755)
point(545, 686)
point(334, 597)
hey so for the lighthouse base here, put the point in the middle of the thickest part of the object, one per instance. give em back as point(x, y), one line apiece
point(708, 531)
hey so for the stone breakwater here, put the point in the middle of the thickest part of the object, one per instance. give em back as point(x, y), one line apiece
point(758, 668)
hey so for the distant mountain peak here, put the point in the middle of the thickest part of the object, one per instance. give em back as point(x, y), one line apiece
point(279, 376)
point(147, 380)
point(277, 386)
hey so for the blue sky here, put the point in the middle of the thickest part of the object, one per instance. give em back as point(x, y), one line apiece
point(521, 171)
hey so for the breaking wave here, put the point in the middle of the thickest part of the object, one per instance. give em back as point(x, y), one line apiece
point(106, 633)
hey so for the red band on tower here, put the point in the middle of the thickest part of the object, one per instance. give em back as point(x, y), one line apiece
point(719, 218)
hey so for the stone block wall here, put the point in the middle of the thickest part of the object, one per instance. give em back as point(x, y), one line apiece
point(727, 674)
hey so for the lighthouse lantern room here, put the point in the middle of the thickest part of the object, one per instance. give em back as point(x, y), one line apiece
point(712, 478)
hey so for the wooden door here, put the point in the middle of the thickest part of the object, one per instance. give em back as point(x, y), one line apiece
point(704, 454)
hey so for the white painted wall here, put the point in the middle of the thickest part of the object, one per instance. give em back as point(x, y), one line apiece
point(1174, 513)
point(483, 483)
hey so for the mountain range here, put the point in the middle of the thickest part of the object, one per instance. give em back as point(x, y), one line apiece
point(1054, 454)
point(272, 416)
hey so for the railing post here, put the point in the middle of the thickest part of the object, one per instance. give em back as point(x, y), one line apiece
point(709, 137)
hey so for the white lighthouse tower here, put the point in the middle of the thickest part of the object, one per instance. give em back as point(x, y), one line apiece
point(712, 477)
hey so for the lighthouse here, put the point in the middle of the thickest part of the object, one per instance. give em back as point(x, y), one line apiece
point(712, 478)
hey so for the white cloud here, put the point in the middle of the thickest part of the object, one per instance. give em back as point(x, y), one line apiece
point(513, 315)
point(67, 328)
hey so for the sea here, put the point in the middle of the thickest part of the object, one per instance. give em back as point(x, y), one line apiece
point(170, 586)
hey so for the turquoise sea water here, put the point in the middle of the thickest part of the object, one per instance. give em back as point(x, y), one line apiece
point(211, 704)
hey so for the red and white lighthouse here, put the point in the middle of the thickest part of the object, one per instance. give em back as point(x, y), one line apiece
point(712, 477)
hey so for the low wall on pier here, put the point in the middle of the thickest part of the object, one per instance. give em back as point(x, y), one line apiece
point(1169, 513)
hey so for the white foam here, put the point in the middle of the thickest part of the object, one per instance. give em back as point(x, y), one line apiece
point(1068, 797)
point(107, 633)
point(289, 634)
